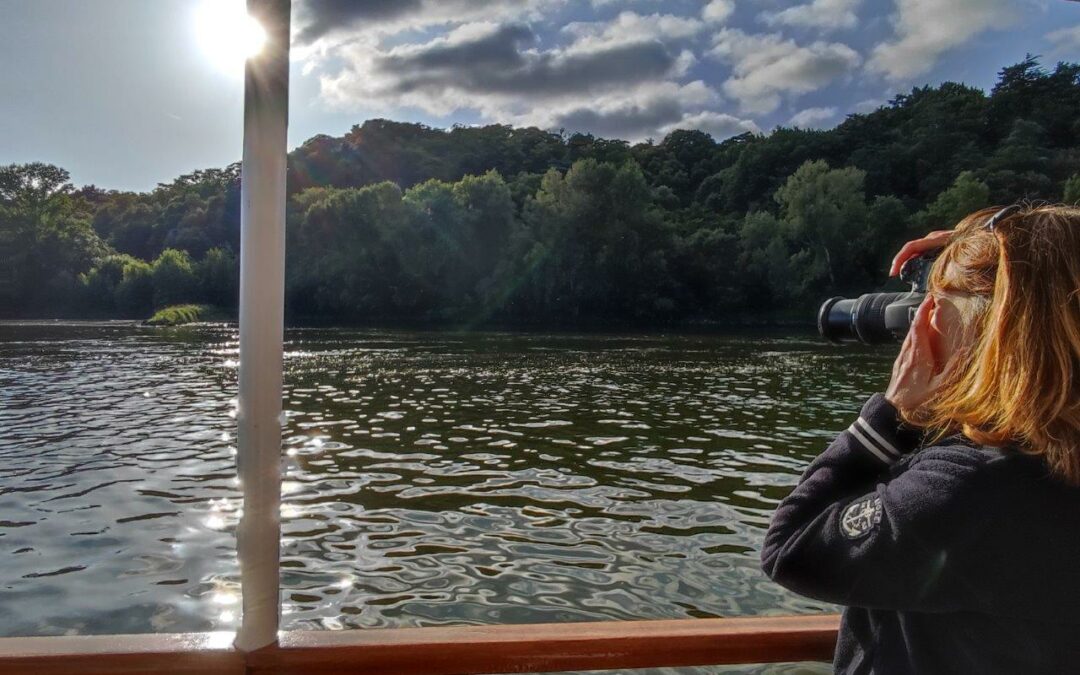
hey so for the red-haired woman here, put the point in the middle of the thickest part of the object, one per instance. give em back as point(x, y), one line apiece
point(946, 518)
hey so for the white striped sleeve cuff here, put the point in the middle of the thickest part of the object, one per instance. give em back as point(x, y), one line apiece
point(881, 432)
point(873, 442)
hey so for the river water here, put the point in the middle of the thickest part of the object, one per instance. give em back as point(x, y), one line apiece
point(431, 477)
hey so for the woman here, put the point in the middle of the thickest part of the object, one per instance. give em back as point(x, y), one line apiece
point(946, 518)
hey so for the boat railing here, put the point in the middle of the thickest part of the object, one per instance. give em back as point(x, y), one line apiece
point(454, 650)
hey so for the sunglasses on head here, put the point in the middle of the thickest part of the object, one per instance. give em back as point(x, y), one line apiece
point(1000, 216)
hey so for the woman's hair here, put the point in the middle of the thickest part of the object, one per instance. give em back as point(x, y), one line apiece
point(1017, 383)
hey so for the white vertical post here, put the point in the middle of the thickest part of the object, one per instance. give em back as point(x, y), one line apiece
point(262, 292)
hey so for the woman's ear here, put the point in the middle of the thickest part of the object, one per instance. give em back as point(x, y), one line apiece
point(938, 337)
point(935, 314)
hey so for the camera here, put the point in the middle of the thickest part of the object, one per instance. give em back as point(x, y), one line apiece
point(877, 318)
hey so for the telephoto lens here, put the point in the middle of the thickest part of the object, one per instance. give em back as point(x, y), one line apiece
point(861, 319)
point(877, 318)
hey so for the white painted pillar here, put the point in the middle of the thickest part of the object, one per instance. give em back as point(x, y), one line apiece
point(262, 293)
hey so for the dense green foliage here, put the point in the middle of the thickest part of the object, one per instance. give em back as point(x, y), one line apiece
point(400, 222)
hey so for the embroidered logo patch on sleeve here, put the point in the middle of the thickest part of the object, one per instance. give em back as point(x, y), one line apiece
point(860, 517)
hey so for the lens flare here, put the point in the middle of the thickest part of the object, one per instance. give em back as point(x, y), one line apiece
point(227, 34)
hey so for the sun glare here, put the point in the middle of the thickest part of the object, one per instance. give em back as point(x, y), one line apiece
point(227, 35)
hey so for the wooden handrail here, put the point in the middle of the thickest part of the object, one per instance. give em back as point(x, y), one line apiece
point(458, 650)
point(171, 654)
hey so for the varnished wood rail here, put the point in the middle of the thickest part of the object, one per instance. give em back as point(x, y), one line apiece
point(170, 654)
point(459, 650)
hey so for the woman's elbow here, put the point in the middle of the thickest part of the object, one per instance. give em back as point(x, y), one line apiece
point(776, 560)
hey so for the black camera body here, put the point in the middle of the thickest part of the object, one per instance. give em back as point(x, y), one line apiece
point(877, 318)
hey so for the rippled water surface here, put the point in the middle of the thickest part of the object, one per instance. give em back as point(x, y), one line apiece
point(432, 478)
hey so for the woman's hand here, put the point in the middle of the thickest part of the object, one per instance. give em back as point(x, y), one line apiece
point(933, 241)
point(916, 374)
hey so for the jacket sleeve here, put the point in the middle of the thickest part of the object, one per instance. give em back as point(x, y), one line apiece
point(859, 531)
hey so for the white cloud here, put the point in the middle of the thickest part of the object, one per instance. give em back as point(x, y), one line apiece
point(717, 11)
point(646, 111)
point(627, 89)
point(869, 105)
point(813, 118)
point(766, 66)
point(925, 29)
point(631, 26)
point(824, 14)
point(320, 19)
point(716, 124)
point(1065, 39)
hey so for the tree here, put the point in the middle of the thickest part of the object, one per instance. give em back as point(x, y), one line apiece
point(710, 280)
point(1028, 91)
point(45, 236)
point(824, 211)
point(1072, 190)
point(823, 240)
point(888, 222)
point(218, 278)
point(967, 195)
point(1017, 169)
point(173, 278)
point(597, 247)
point(765, 257)
point(135, 292)
point(33, 189)
point(362, 253)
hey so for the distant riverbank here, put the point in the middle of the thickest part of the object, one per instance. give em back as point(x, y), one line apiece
point(795, 320)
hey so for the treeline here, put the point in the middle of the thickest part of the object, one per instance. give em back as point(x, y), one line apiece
point(400, 222)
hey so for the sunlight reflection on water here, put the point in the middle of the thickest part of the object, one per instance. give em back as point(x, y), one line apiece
point(429, 478)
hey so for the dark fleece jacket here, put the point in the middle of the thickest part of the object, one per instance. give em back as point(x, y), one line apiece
point(952, 559)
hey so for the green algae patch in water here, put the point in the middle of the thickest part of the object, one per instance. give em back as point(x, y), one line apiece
point(178, 315)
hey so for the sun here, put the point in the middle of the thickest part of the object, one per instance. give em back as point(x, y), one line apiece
point(227, 35)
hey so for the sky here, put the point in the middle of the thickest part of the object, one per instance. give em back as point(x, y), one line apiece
point(125, 94)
